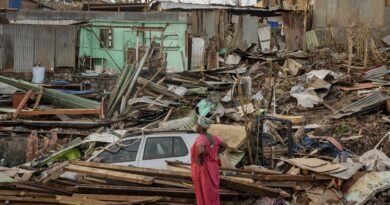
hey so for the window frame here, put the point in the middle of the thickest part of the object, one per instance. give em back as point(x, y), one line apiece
point(183, 142)
point(106, 37)
point(121, 161)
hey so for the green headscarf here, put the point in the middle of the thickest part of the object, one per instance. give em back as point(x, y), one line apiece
point(204, 122)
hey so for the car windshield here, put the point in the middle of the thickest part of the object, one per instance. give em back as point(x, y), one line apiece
point(124, 151)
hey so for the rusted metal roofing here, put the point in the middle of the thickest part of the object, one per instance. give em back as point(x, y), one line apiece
point(371, 102)
point(376, 73)
point(61, 17)
point(166, 5)
point(25, 45)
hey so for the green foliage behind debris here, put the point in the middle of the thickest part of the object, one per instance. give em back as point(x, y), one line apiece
point(343, 128)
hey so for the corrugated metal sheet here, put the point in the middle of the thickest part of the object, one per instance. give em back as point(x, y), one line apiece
point(387, 15)
point(371, 102)
point(44, 45)
point(376, 72)
point(8, 48)
point(372, 12)
point(167, 5)
point(1, 47)
point(66, 46)
point(210, 26)
point(311, 40)
point(337, 13)
point(35, 15)
point(293, 24)
point(23, 47)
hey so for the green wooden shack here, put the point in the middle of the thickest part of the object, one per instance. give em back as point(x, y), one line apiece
point(112, 44)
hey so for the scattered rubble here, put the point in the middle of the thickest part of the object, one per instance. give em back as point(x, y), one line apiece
point(308, 126)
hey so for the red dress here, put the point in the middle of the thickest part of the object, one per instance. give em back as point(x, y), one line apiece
point(205, 177)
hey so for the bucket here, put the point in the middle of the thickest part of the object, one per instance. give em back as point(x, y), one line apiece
point(38, 75)
point(98, 69)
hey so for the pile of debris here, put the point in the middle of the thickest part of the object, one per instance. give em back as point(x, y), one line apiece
point(273, 108)
point(106, 184)
point(298, 180)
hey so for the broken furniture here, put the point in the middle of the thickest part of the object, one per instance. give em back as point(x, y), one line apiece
point(260, 143)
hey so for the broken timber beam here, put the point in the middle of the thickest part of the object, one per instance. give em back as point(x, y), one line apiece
point(146, 191)
point(269, 172)
point(135, 170)
point(286, 177)
point(60, 112)
point(53, 124)
point(134, 178)
point(120, 198)
point(40, 200)
point(227, 182)
point(157, 88)
point(251, 188)
point(21, 104)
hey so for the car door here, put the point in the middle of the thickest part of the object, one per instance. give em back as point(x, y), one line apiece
point(157, 149)
point(124, 153)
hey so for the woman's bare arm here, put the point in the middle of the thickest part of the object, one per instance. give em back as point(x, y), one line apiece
point(222, 147)
point(200, 158)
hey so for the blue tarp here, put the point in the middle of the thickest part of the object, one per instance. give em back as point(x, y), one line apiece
point(60, 82)
point(15, 4)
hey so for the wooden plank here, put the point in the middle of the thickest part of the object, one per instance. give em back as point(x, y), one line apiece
point(298, 119)
point(30, 203)
point(388, 105)
point(24, 194)
point(286, 177)
point(77, 201)
point(251, 188)
point(54, 172)
point(28, 199)
point(121, 198)
point(136, 170)
point(171, 183)
point(146, 191)
point(270, 172)
point(134, 178)
point(21, 105)
point(38, 100)
point(157, 88)
point(60, 112)
point(54, 124)
point(280, 184)
point(43, 188)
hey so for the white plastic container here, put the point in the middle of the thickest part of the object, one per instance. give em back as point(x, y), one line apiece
point(38, 74)
point(98, 69)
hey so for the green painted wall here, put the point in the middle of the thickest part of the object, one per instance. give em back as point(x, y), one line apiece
point(124, 38)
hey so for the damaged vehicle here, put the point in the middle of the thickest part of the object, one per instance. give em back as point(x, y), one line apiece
point(149, 150)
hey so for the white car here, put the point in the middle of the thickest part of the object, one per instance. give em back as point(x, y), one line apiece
point(149, 150)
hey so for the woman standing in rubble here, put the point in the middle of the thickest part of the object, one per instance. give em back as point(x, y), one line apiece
point(204, 164)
